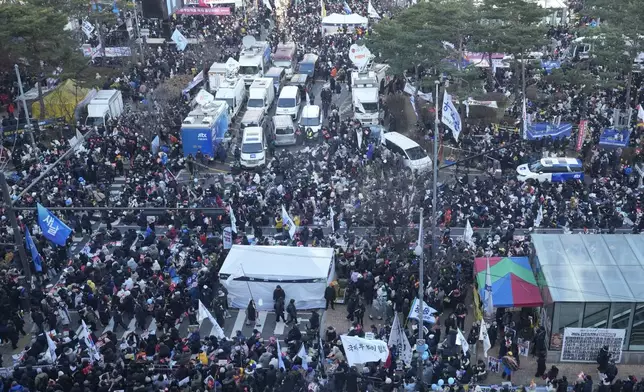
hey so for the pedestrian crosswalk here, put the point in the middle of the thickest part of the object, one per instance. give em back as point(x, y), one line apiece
point(266, 324)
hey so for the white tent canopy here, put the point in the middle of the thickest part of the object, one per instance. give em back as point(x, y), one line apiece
point(303, 273)
point(339, 19)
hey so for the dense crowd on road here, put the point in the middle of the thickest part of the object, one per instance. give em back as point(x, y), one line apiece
point(329, 189)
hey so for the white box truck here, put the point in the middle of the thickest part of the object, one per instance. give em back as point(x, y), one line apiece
point(254, 59)
point(261, 94)
point(106, 105)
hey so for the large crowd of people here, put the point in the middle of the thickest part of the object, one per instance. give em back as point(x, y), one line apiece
point(329, 189)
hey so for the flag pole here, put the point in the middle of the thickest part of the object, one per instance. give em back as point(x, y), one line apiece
point(247, 284)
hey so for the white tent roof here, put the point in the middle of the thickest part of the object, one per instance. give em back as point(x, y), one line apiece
point(352, 19)
point(556, 4)
point(274, 262)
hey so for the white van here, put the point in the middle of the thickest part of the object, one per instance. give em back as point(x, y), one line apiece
point(289, 102)
point(284, 130)
point(415, 157)
point(253, 148)
point(311, 118)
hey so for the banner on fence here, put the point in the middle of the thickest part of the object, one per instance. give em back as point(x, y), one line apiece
point(583, 344)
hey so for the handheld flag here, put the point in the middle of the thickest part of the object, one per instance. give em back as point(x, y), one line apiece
point(332, 215)
point(35, 256)
point(322, 9)
point(524, 114)
point(371, 11)
point(347, 9)
point(398, 339)
point(268, 5)
point(461, 341)
point(202, 314)
point(52, 228)
point(51, 348)
point(89, 342)
point(488, 303)
point(280, 361)
point(180, 40)
point(539, 218)
point(286, 219)
point(302, 354)
point(421, 240)
point(485, 338)
point(468, 234)
point(233, 220)
point(451, 118)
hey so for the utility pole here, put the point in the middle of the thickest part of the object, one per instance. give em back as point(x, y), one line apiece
point(28, 127)
point(138, 31)
point(17, 234)
point(420, 342)
point(435, 177)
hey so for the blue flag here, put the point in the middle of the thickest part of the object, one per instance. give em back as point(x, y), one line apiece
point(35, 256)
point(347, 9)
point(52, 228)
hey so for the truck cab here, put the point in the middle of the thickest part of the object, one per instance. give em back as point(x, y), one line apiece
point(285, 57)
point(308, 64)
point(254, 61)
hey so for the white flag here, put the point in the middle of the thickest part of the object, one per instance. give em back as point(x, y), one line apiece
point(421, 242)
point(267, 3)
point(359, 137)
point(467, 107)
point(451, 118)
point(51, 348)
point(308, 99)
point(302, 354)
point(539, 218)
point(233, 220)
point(280, 361)
point(468, 234)
point(371, 11)
point(237, 273)
point(640, 113)
point(359, 106)
point(286, 220)
point(461, 341)
point(485, 338)
point(398, 339)
point(332, 215)
point(87, 28)
point(488, 302)
point(202, 314)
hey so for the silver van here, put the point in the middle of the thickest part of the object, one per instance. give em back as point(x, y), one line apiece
point(284, 130)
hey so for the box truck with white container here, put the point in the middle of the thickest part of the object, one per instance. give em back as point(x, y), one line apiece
point(261, 94)
point(106, 105)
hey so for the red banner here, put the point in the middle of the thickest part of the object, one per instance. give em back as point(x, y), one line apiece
point(217, 11)
point(581, 134)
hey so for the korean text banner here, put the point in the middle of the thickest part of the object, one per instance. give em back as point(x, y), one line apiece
point(614, 137)
point(360, 350)
point(428, 312)
point(52, 228)
point(540, 130)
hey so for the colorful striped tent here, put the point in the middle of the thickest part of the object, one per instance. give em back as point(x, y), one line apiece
point(513, 282)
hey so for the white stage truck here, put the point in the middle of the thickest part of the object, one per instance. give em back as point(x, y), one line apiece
point(365, 86)
point(261, 94)
point(254, 59)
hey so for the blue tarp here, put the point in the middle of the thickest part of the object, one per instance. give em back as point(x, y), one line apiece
point(614, 138)
point(540, 130)
point(550, 65)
